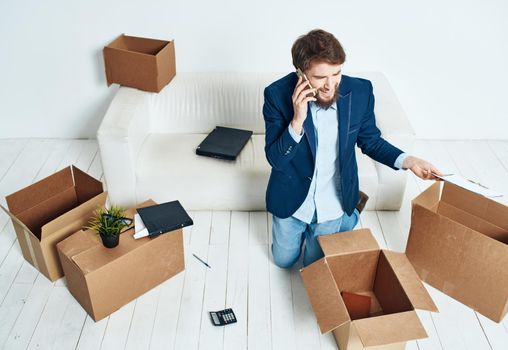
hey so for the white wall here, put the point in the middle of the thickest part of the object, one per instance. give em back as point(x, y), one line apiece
point(446, 59)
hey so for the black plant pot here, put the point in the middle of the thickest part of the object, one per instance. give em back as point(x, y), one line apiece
point(110, 241)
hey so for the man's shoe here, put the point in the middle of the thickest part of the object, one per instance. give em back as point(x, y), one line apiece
point(362, 201)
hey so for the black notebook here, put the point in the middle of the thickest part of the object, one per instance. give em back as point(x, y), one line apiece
point(165, 217)
point(224, 143)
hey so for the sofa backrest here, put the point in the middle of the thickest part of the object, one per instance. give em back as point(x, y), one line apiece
point(197, 102)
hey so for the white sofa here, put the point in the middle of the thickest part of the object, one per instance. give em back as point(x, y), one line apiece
point(147, 143)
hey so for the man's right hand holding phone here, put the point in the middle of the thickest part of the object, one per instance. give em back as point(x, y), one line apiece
point(302, 95)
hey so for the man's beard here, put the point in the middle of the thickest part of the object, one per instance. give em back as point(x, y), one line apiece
point(325, 104)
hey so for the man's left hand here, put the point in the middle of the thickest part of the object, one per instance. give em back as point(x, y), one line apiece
point(421, 168)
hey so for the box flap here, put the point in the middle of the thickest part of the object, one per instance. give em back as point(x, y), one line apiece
point(430, 197)
point(476, 204)
point(166, 65)
point(387, 329)
point(78, 242)
point(40, 191)
point(473, 222)
point(86, 186)
point(324, 296)
point(348, 242)
point(75, 218)
point(39, 215)
point(408, 278)
point(136, 44)
point(130, 68)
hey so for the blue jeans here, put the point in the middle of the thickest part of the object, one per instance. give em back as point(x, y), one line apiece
point(289, 234)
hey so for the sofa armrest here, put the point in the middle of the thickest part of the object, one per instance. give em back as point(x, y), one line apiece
point(121, 134)
point(395, 127)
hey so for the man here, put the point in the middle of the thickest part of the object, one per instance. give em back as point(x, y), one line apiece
point(312, 127)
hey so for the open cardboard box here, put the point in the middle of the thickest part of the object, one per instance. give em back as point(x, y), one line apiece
point(104, 279)
point(354, 263)
point(458, 243)
point(50, 210)
point(146, 64)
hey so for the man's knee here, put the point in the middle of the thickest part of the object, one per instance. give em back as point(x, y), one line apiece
point(284, 261)
point(284, 264)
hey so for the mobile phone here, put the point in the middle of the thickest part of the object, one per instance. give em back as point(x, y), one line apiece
point(300, 73)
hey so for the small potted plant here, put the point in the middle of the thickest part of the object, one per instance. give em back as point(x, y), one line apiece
point(109, 223)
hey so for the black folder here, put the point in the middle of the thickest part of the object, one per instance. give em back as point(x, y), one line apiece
point(165, 217)
point(224, 143)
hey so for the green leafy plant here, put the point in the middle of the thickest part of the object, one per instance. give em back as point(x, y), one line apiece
point(108, 222)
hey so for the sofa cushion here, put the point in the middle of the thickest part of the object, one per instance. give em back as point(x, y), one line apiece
point(168, 169)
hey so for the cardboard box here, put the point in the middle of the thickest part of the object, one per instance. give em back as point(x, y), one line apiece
point(146, 64)
point(50, 210)
point(458, 243)
point(102, 280)
point(354, 263)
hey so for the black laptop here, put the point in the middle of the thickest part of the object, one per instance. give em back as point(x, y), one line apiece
point(165, 217)
point(224, 143)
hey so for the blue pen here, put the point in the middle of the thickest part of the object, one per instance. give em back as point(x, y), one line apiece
point(197, 257)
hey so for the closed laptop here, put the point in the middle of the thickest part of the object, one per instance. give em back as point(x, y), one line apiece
point(224, 143)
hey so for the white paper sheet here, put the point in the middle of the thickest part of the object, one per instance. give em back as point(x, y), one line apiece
point(139, 227)
point(470, 185)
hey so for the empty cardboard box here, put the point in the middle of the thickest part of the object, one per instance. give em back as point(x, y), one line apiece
point(104, 279)
point(146, 64)
point(353, 263)
point(458, 243)
point(49, 211)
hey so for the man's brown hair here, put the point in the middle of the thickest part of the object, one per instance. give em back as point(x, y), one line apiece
point(317, 45)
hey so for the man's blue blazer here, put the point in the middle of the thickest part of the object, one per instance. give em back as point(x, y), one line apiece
point(293, 163)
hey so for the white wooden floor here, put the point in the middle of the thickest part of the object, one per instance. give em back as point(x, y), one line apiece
point(271, 304)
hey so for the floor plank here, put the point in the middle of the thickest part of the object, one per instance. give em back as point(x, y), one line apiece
point(167, 317)
point(9, 151)
point(259, 316)
point(49, 324)
point(214, 299)
point(118, 327)
point(189, 319)
point(140, 330)
point(11, 308)
point(235, 336)
point(220, 227)
point(67, 335)
point(306, 330)
point(259, 313)
point(92, 334)
point(282, 308)
point(26, 323)
point(500, 149)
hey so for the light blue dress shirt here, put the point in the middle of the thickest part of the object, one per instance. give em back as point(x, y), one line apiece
point(323, 196)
